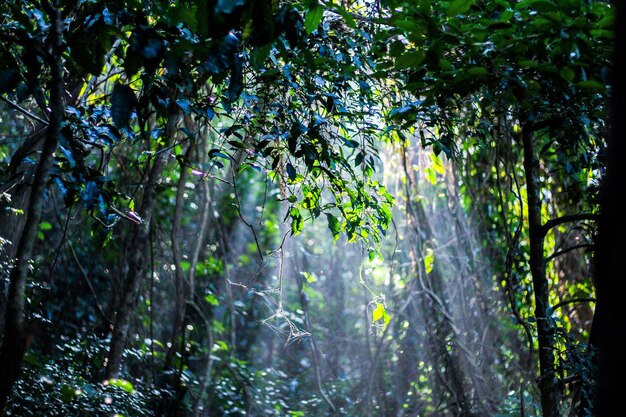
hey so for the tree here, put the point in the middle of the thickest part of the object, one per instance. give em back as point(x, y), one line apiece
point(458, 63)
point(163, 62)
point(607, 331)
point(165, 166)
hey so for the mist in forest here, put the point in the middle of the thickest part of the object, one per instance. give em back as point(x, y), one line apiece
point(440, 346)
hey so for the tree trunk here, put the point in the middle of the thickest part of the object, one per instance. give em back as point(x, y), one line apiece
point(137, 256)
point(608, 333)
point(548, 382)
point(16, 333)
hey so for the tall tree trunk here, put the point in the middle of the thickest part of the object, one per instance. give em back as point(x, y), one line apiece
point(548, 382)
point(16, 335)
point(608, 334)
point(138, 249)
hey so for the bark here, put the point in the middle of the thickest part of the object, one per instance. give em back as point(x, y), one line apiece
point(608, 334)
point(16, 335)
point(135, 268)
point(548, 381)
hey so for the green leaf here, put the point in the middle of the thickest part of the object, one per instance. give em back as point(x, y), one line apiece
point(297, 222)
point(313, 17)
point(591, 84)
point(378, 312)
point(334, 226)
point(458, 7)
point(409, 25)
point(350, 143)
point(539, 5)
point(68, 393)
point(567, 74)
point(477, 71)
point(437, 165)
point(259, 55)
point(527, 63)
point(45, 226)
point(121, 383)
point(381, 313)
point(430, 175)
point(429, 260)
point(607, 22)
point(211, 299)
point(410, 59)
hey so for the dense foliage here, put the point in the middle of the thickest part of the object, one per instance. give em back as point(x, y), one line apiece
point(254, 207)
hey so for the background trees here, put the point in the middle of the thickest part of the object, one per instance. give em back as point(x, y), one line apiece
point(181, 182)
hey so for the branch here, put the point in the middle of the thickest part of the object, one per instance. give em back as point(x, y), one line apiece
point(574, 300)
point(24, 111)
point(552, 223)
point(571, 248)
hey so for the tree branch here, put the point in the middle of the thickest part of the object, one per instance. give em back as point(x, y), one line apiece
point(574, 300)
point(552, 223)
point(566, 250)
point(24, 111)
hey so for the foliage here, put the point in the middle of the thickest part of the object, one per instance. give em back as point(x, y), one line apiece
point(62, 386)
point(203, 141)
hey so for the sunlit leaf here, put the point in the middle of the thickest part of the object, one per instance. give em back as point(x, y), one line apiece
point(45, 226)
point(429, 260)
point(429, 172)
point(437, 164)
point(121, 383)
point(313, 17)
point(211, 299)
point(378, 312)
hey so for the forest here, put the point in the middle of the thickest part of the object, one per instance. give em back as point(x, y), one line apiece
point(310, 208)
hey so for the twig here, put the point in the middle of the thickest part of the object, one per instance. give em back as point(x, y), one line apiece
point(256, 240)
point(24, 111)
